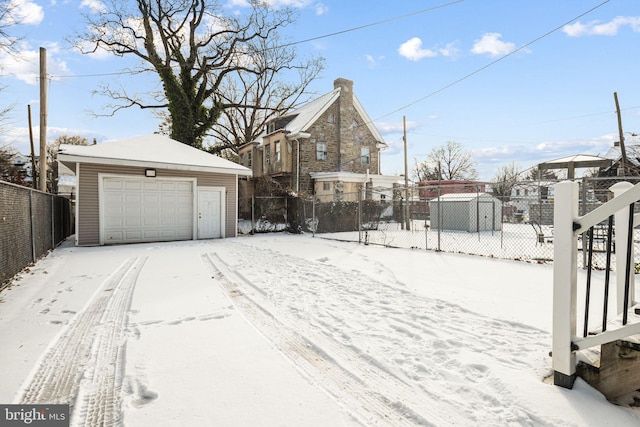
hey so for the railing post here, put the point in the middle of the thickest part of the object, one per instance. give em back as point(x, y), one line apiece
point(621, 219)
point(565, 253)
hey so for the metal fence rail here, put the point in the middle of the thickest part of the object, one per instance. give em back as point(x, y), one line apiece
point(31, 223)
point(479, 219)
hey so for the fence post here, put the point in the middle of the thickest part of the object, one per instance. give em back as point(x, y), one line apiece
point(313, 215)
point(439, 210)
point(253, 214)
point(53, 221)
point(33, 234)
point(359, 215)
point(621, 219)
point(564, 283)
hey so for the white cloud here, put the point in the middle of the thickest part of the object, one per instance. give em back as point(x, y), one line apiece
point(321, 9)
point(373, 61)
point(531, 154)
point(449, 50)
point(95, 6)
point(25, 65)
point(24, 12)
point(594, 28)
point(413, 51)
point(273, 3)
point(491, 44)
point(395, 127)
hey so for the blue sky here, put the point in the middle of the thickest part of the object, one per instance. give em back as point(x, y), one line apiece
point(444, 69)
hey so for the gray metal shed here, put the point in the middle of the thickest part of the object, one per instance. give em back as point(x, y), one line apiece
point(470, 212)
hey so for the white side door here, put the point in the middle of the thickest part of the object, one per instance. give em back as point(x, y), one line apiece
point(210, 212)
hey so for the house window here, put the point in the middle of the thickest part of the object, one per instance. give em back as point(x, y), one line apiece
point(331, 118)
point(326, 186)
point(249, 159)
point(321, 151)
point(267, 154)
point(276, 147)
point(271, 127)
point(364, 155)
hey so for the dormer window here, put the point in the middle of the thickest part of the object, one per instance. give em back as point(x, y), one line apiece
point(271, 127)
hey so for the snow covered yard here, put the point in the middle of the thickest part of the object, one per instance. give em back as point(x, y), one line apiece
point(290, 330)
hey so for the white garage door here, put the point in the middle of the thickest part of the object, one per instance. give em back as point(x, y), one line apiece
point(146, 210)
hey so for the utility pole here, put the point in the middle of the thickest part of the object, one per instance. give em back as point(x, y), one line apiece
point(406, 176)
point(623, 151)
point(43, 119)
point(34, 171)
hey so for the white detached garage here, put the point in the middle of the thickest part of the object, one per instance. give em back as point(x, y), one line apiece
point(150, 189)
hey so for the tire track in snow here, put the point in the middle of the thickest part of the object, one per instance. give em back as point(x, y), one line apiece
point(439, 350)
point(83, 366)
point(370, 394)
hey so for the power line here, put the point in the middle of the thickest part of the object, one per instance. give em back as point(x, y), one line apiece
point(473, 73)
point(395, 18)
point(348, 30)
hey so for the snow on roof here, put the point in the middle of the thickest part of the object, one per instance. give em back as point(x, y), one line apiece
point(461, 197)
point(309, 113)
point(632, 151)
point(149, 151)
point(576, 158)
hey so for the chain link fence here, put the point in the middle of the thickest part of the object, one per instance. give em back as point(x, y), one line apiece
point(513, 221)
point(31, 224)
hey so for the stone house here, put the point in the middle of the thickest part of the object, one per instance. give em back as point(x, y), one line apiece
point(328, 146)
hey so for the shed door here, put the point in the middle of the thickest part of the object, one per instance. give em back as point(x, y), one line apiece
point(146, 210)
point(210, 209)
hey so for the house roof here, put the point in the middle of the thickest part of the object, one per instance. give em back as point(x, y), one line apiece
point(632, 150)
point(156, 151)
point(308, 114)
point(356, 177)
point(578, 161)
point(462, 197)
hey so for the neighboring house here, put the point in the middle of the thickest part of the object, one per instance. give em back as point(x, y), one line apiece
point(66, 182)
point(21, 164)
point(470, 212)
point(325, 146)
point(150, 189)
point(526, 194)
point(614, 154)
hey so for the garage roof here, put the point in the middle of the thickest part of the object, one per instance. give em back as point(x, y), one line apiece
point(156, 151)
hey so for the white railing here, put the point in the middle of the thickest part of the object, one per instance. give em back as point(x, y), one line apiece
point(568, 226)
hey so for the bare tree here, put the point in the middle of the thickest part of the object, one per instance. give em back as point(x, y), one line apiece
point(505, 178)
point(7, 44)
point(52, 157)
point(535, 173)
point(449, 161)
point(191, 46)
point(261, 96)
point(424, 171)
point(7, 19)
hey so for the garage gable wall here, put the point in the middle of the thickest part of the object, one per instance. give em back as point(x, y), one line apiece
point(88, 210)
